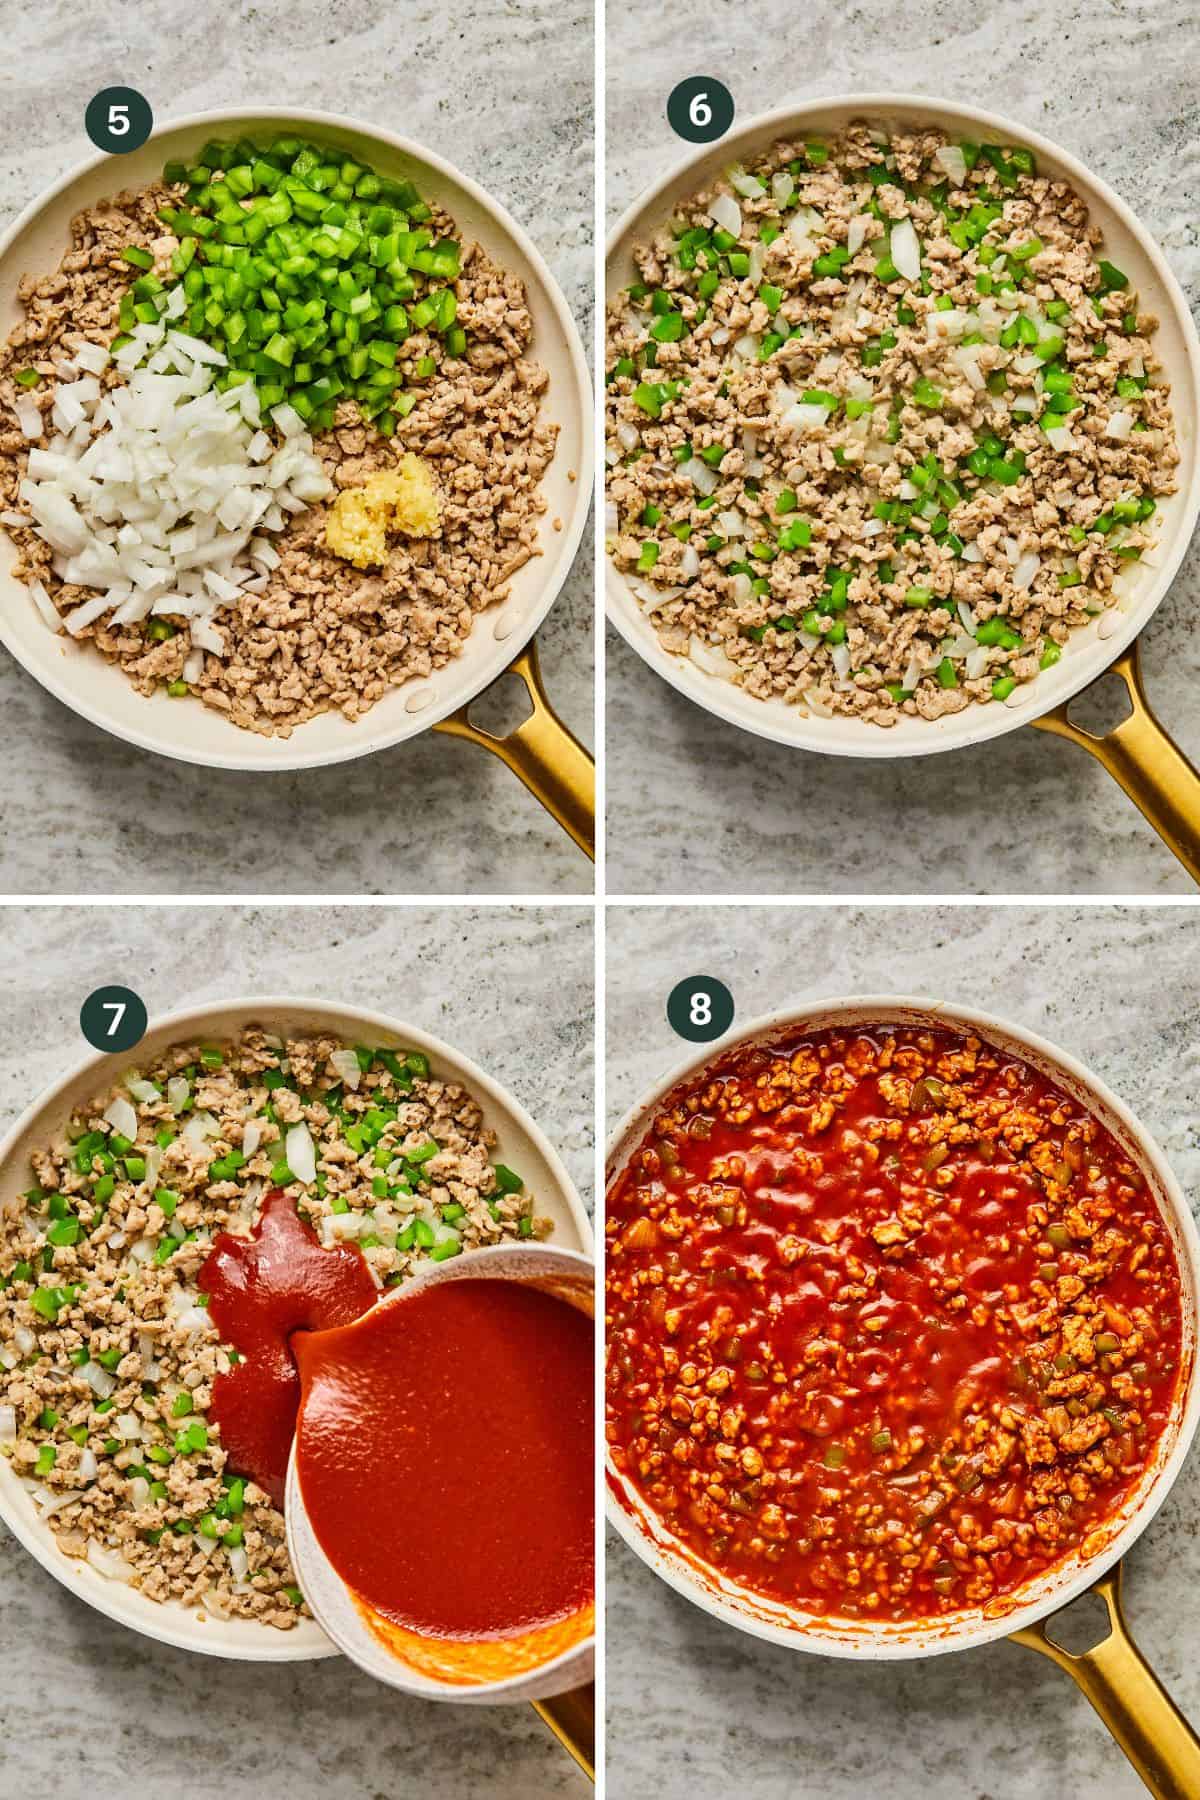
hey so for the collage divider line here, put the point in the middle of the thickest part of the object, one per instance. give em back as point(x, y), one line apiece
point(599, 913)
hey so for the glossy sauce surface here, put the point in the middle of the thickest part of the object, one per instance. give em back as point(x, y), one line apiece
point(262, 1289)
point(445, 1457)
point(893, 1323)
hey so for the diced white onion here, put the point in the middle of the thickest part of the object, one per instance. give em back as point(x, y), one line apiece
point(46, 606)
point(178, 1093)
point(153, 490)
point(689, 562)
point(52, 1503)
point(966, 617)
point(966, 357)
point(1119, 426)
point(87, 614)
point(144, 1092)
point(856, 234)
point(251, 1137)
point(709, 657)
point(1025, 569)
point(8, 1424)
point(122, 1117)
point(725, 213)
point(94, 358)
point(949, 324)
point(300, 1153)
point(905, 250)
point(801, 418)
point(950, 158)
point(98, 1379)
point(346, 1064)
point(1060, 440)
point(783, 186)
point(977, 662)
point(24, 1340)
point(705, 480)
point(840, 656)
point(29, 417)
point(108, 1562)
point(800, 232)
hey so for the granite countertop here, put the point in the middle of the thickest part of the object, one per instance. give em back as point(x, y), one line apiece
point(697, 1710)
point(1025, 813)
point(91, 1711)
point(434, 815)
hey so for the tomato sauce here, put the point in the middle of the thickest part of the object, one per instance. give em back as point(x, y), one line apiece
point(262, 1289)
point(893, 1323)
point(445, 1457)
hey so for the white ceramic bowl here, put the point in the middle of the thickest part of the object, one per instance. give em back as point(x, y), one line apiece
point(521, 1144)
point(881, 1639)
point(1127, 243)
point(79, 676)
point(572, 1278)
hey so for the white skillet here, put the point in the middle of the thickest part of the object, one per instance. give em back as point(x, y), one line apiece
point(1138, 752)
point(77, 675)
point(1113, 1675)
point(521, 1145)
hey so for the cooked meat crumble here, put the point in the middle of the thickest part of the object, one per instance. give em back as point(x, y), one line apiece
point(107, 1355)
point(884, 426)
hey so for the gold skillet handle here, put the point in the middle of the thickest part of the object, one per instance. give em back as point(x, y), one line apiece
point(554, 766)
point(572, 1719)
point(1156, 775)
point(1131, 1700)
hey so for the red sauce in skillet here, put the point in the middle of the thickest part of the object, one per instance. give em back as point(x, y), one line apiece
point(893, 1322)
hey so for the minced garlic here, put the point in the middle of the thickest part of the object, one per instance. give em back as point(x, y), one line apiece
point(400, 499)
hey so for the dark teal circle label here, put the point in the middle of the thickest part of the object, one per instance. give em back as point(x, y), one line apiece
point(700, 1009)
point(700, 109)
point(113, 1018)
point(118, 120)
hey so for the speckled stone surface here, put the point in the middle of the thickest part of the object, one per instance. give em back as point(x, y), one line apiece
point(697, 1710)
point(697, 806)
point(503, 89)
point(90, 1711)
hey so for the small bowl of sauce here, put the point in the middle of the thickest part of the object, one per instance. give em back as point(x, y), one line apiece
point(440, 1490)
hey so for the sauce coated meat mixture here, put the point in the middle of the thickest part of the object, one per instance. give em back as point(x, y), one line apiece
point(893, 1323)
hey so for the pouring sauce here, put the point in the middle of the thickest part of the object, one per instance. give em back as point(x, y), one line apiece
point(262, 1289)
